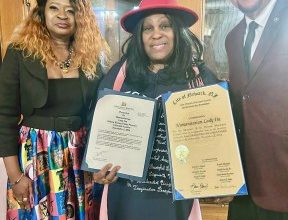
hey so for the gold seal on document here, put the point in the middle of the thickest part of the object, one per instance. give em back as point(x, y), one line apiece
point(181, 153)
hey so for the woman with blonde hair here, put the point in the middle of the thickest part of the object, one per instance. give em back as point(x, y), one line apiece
point(50, 76)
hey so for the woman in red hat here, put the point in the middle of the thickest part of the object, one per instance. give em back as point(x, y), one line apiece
point(161, 55)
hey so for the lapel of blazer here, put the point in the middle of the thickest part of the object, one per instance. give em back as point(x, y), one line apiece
point(236, 54)
point(239, 47)
point(268, 36)
point(35, 68)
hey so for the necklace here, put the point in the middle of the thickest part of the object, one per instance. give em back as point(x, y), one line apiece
point(155, 68)
point(64, 65)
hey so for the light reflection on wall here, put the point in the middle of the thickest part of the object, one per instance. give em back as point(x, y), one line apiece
point(220, 17)
point(108, 14)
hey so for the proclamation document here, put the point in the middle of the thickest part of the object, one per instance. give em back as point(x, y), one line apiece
point(122, 133)
point(203, 149)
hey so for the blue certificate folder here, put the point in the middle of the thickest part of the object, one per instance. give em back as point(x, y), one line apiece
point(202, 144)
point(122, 133)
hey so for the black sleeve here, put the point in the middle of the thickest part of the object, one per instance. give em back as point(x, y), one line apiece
point(91, 108)
point(0, 57)
point(9, 103)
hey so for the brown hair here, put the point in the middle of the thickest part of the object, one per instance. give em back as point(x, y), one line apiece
point(90, 47)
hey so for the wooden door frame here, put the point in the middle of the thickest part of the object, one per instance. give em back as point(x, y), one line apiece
point(197, 6)
point(11, 14)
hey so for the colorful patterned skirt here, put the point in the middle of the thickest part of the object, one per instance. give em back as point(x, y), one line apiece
point(61, 190)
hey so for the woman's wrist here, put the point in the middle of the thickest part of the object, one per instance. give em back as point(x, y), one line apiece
point(13, 183)
point(12, 168)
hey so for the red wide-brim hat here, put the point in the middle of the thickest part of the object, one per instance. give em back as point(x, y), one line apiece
point(146, 7)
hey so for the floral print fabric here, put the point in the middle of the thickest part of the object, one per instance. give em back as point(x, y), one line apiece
point(61, 190)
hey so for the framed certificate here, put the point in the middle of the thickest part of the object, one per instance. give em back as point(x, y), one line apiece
point(122, 133)
point(203, 149)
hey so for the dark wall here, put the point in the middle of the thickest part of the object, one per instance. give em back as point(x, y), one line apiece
point(0, 57)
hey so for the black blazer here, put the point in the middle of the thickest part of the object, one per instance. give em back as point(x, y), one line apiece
point(24, 87)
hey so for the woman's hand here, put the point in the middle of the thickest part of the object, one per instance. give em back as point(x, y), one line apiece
point(23, 193)
point(21, 185)
point(103, 176)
